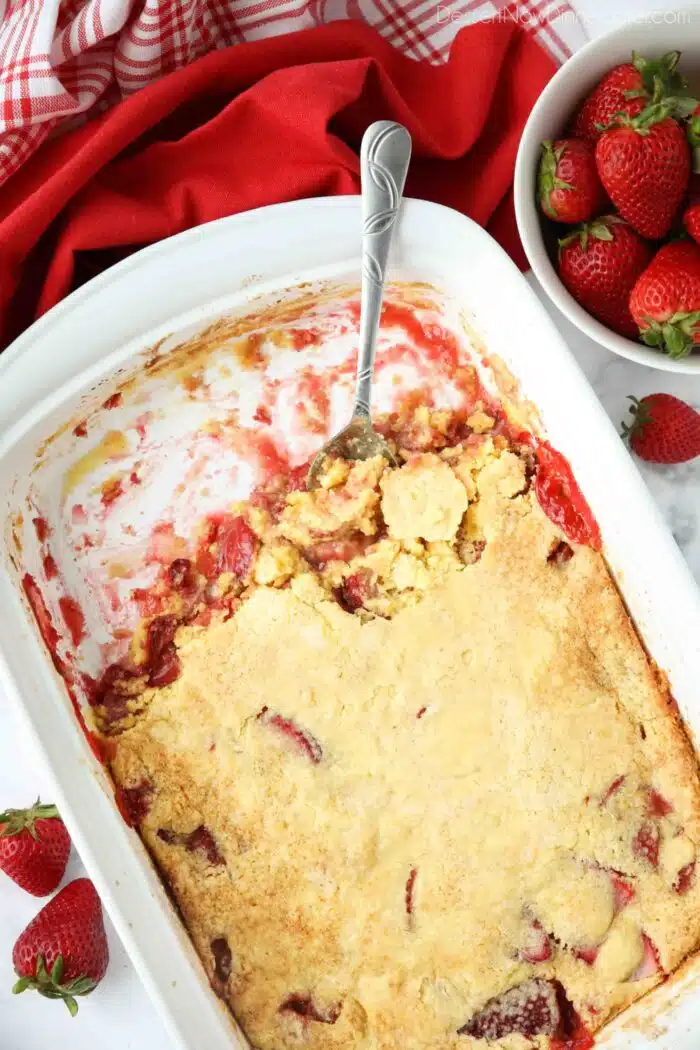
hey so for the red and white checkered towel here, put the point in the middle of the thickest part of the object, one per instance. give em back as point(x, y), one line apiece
point(61, 58)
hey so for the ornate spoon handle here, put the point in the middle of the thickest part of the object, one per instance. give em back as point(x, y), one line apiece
point(384, 158)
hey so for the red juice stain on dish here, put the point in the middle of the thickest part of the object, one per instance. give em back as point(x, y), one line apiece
point(301, 338)
point(260, 450)
point(436, 342)
point(44, 622)
point(141, 423)
point(51, 639)
point(271, 459)
point(313, 403)
point(562, 500)
point(73, 618)
point(113, 401)
point(165, 545)
point(262, 415)
point(101, 749)
point(439, 345)
point(42, 529)
point(50, 567)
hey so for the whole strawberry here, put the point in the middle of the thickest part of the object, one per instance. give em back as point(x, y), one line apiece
point(644, 165)
point(599, 265)
point(665, 301)
point(626, 89)
point(63, 953)
point(34, 848)
point(664, 429)
point(569, 188)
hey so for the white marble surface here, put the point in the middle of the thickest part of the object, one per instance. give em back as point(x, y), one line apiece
point(676, 489)
point(118, 1016)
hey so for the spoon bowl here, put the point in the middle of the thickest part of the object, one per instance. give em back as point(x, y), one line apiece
point(357, 441)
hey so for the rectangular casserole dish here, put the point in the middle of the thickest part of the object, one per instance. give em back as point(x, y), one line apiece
point(213, 271)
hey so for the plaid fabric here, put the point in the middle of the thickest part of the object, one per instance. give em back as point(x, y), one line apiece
point(61, 58)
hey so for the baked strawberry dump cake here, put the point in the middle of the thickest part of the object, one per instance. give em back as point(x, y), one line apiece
point(394, 744)
point(412, 779)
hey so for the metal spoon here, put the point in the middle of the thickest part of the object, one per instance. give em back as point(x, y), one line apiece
point(384, 157)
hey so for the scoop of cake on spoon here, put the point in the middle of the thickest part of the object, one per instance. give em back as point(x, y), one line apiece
point(384, 158)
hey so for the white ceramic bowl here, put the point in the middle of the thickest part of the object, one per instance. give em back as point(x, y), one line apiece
point(651, 35)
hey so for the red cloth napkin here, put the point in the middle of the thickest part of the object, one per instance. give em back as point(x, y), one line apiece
point(274, 120)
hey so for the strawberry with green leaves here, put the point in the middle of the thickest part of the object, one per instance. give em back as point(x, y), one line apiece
point(599, 265)
point(663, 429)
point(63, 952)
point(627, 89)
point(665, 301)
point(569, 188)
point(644, 164)
point(34, 848)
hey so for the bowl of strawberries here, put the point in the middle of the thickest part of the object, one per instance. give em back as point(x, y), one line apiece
point(607, 190)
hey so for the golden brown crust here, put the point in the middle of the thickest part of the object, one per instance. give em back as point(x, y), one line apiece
point(375, 823)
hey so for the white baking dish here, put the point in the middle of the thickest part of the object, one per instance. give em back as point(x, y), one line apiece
point(180, 286)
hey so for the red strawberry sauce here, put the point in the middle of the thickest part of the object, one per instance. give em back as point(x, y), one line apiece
point(51, 639)
point(73, 618)
point(561, 499)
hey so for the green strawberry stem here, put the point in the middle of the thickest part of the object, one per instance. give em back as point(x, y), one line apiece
point(50, 984)
point(663, 69)
point(640, 418)
point(662, 80)
point(694, 129)
point(675, 336)
point(661, 105)
point(547, 181)
point(694, 138)
point(16, 820)
point(599, 229)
